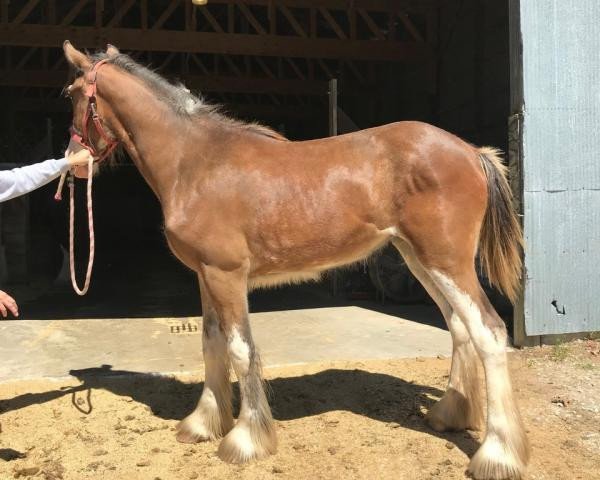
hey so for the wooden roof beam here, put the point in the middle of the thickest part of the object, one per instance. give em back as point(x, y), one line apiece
point(370, 5)
point(209, 42)
point(255, 110)
point(203, 83)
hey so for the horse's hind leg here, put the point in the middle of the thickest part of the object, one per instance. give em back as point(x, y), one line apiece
point(461, 406)
point(212, 418)
point(505, 450)
point(254, 435)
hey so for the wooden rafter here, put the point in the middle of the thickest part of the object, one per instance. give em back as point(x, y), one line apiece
point(231, 64)
point(287, 13)
point(209, 42)
point(205, 83)
point(250, 17)
point(256, 110)
point(26, 10)
point(212, 20)
point(325, 68)
point(25, 58)
point(72, 14)
point(410, 26)
point(352, 22)
point(166, 14)
point(167, 61)
point(198, 62)
point(264, 67)
point(295, 68)
point(125, 7)
point(371, 24)
point(371, 5)
point(354, 69)
point(4, 10)
point(333, 23)
point(144, 14)
point(99, 13)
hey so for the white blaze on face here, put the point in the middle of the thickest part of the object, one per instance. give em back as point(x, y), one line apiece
point(239, 350)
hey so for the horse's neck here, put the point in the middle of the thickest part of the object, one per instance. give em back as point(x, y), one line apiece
point(152, 133)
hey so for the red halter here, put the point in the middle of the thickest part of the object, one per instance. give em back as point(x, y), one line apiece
point(83, 138)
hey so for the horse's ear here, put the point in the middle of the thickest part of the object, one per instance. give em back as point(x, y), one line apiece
point(112, 51)
point(75, 57)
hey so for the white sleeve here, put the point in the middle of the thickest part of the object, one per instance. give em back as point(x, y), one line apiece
point(20, 181)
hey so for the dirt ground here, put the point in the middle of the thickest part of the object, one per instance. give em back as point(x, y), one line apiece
point(336, 420)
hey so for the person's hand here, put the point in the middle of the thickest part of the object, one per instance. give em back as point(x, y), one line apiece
point(82, 157)
point(7, 303)
point(78, 158)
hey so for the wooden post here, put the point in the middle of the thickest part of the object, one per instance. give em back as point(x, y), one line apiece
point(333, 130)
point(333, 93)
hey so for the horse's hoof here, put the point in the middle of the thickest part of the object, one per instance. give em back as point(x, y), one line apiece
point(453, 413)
point(193, 429)
point(494, 461)
point(241, 445)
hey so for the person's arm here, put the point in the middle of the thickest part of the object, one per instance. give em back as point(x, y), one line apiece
point(20, 181)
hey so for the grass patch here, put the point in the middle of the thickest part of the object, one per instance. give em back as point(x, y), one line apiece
point(560, 352)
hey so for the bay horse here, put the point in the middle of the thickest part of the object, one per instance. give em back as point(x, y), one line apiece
point(244, 208)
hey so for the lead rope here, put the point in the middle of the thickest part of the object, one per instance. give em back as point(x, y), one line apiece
point(58, 197)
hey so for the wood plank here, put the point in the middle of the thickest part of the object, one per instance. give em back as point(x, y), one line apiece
point(25, 58)
point(99, 13)
point(144, 14)
point(51, 11)
point(230, 18)
point(251, 18)
point(295, 68)
point(287, 13)
point(371, 24)
point(352, 22)
point(125, 7)
point(166, 14)
point(333, 23)
point(371, 5)
point(212, 20)
point(4, 11)
point(209, 42)
point(248, 111)
point(206, 83)
point(26, 10)
point(69, 17)
point(410, 26)
point(325, 68)
point(265, 68)
point(272, 15)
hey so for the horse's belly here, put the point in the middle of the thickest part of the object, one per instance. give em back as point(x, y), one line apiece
point(306, 262)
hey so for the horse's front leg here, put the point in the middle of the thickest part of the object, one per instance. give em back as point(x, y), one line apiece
point(254, 433)
point(212, 418)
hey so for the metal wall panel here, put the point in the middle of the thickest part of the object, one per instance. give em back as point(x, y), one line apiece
point(561, 164)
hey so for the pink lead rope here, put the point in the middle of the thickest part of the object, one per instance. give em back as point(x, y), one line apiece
point(58, 197)
point(83, 139)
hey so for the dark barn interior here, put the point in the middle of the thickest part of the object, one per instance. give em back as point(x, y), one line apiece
point(440, 61)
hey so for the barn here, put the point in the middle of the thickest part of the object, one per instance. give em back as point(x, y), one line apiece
point(481, 69)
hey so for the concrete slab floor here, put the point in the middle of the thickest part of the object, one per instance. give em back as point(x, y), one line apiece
point(54, 348)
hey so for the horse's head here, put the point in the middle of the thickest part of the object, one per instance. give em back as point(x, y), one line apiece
point(93, 122)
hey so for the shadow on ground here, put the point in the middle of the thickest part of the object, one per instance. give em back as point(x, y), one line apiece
point(377, 396)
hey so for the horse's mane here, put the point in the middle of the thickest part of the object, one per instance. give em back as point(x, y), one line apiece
point(180, 99)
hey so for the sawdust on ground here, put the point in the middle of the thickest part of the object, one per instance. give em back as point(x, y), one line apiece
point(334, 420)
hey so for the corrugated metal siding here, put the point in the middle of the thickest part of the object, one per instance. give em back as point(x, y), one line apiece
point(561, 164)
